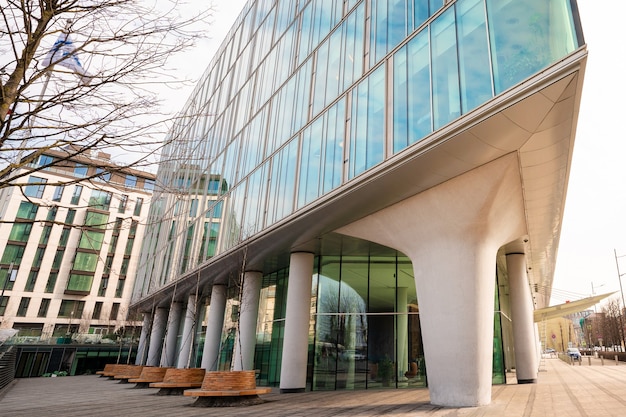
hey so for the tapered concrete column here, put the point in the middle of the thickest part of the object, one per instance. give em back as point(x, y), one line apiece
point(245, 343)
point(156, 336)
point(142, 349)
point(297, 316)
point(215, 322)
point(451, 233)
point(189, 327)
point(168, 356)
point(526, 361)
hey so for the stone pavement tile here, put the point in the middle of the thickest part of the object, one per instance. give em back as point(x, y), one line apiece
point(562, 391)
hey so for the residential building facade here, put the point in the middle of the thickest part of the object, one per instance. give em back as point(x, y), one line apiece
point(371, 192)
point(70, 239)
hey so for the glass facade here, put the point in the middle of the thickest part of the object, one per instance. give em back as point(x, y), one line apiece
point(298, 100)
point(365, 327)
point(305, 98)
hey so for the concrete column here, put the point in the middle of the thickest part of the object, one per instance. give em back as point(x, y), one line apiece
point(526, 361)
point(297, 317)
point(402, 330)
point(245, 342)
point(451, 233)
point(142, 349)
point(189, 327)
point(156, 336)
point(168, 356)
point(215, 323)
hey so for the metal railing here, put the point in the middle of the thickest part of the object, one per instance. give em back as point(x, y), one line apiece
point(7, 365)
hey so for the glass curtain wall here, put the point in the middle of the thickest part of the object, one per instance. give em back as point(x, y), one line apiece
point(367, 327)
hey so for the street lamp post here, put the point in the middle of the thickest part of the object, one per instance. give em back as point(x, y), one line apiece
point(621, 290)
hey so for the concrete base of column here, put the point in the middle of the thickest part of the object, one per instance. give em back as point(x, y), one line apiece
point(452, 233)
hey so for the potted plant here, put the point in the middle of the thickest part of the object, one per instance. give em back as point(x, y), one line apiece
point(385, 370)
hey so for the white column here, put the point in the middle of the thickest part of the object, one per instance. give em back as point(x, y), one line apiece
point(156, 336)
point(245, 341)
point(451, 233)
point(168, 356)
point(142, 349)
point(526, 361)
point(297, 317)
point(402, 330)
point(215, 323)
point(188, 333)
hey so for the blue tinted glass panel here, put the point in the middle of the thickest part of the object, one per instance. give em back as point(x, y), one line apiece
point(333, 152)
point(354, 28)
point(368, 123)
point(473, 54)
point(310, 163)
point(527, 36)
point(282, 182)
point(446, 94)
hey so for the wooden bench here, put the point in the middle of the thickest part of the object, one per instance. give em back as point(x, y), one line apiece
point(148, 375)
point(227, 389)
point(132, 371)
point(107, 368)
point(175, 380)
point(118, 369)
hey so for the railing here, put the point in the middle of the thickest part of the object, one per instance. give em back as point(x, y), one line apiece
point(7, 365)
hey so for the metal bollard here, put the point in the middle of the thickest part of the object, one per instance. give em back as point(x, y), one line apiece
point(602, 359)
point(589, 360)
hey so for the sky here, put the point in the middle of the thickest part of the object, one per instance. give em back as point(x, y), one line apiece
point(594, 224)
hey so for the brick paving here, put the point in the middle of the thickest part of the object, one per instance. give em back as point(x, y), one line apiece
point(562, 390)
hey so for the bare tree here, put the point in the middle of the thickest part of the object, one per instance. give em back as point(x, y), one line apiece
point(83, 73)
point(612, 323)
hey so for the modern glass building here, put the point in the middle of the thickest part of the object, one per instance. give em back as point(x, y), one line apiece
point(367, 193)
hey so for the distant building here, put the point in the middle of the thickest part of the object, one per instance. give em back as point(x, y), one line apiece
point(374, 190)
point(70, 241)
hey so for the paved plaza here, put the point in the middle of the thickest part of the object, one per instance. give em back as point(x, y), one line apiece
point(563, 390)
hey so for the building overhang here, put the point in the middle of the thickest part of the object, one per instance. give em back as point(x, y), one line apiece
point(536, 120)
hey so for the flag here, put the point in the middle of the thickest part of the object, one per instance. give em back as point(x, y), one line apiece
point(64, 53)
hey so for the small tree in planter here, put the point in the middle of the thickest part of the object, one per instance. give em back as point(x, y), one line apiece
point(385, 370)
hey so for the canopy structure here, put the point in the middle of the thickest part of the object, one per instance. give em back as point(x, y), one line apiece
point(571, 307)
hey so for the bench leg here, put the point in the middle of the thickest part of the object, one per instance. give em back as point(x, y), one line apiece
point(236, 401)
point(171, 391)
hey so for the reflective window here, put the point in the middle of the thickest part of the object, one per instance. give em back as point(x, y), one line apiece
point(130, 180)
point(526, 36)
point(37, 188)
point(138, 206)
point(100, 199)
point(27, 210)
point(80, 170)
point(85, 261)
point(78, 189)
point(91, 240)
point(44, 160)
point(321, 162)
point(282, 184)
point(23, 307)
point(367, 130)
point(411, 95)
point(20, 232)
point(476, 86)
point(96, 220)
point(102, 175)
point(43, 307)
point(58, 193)
point(123, 202)
point(445, 75)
